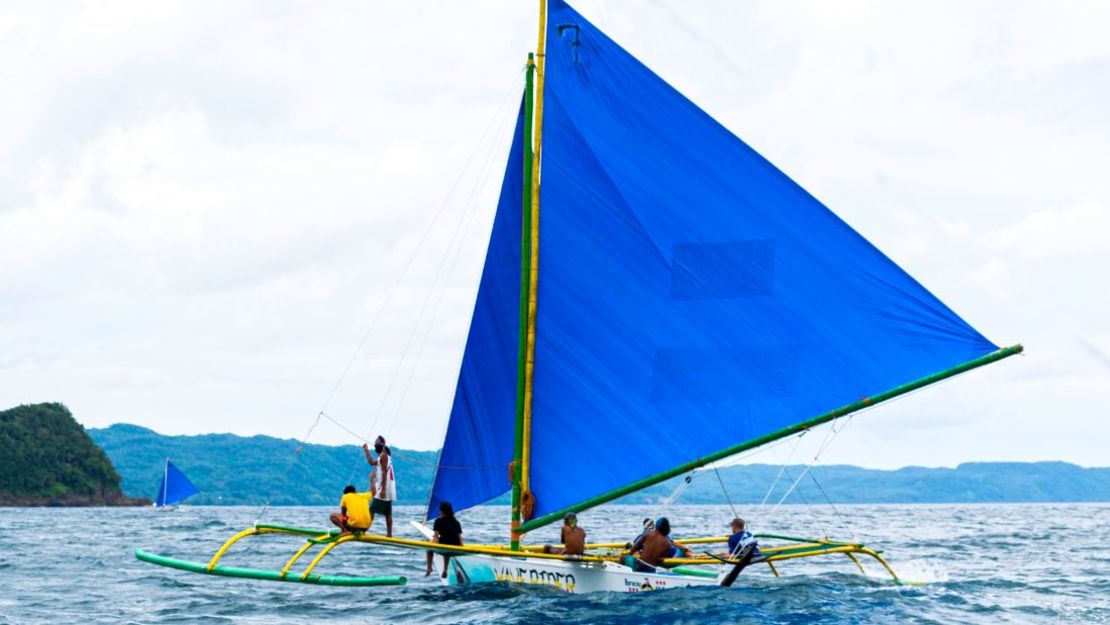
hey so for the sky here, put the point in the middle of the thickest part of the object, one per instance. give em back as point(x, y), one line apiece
point(231, 217)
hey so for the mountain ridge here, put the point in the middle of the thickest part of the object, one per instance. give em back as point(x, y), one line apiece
point(231, 469)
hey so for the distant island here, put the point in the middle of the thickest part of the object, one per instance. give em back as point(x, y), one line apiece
point(47, 459)
point(254, 470)
point(237, 470)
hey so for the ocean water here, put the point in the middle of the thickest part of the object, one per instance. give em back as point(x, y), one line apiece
point(979, 564)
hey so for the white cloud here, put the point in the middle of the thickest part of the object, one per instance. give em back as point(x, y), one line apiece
point(1076, 231)
point(202, 207)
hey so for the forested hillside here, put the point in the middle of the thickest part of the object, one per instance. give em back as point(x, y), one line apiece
point(233, 470)
point(46, 458)
point(971, 482)
point(239, 470)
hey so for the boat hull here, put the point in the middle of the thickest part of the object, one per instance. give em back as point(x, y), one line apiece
point(572, 577)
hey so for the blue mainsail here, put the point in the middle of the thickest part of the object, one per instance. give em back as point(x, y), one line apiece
point(474, 463)
point(691, 295)
point(175, 487)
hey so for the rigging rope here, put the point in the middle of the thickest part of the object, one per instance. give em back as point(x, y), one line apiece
point(725, 491)
point(494, 122)
point(296, 456)
point(469, 212)
point(438, 289)
point(390, 293)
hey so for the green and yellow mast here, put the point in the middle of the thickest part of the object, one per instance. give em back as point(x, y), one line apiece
point(522, 501)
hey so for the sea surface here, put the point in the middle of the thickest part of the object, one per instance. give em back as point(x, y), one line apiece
point(978, 564)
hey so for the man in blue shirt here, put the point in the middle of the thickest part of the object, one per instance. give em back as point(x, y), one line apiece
point(739, 538)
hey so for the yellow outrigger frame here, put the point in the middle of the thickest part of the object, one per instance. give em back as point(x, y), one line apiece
point(601, 552)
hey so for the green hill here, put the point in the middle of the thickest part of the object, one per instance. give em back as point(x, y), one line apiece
point(231, 469)
point(972, 482)
point(238, 470)
point(47, 459)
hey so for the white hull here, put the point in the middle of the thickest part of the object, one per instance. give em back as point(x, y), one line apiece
point(573, 577)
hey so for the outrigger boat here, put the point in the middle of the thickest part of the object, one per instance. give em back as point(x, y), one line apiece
point(689, 302)
point(174, 488)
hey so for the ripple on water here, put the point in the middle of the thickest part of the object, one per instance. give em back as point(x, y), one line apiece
point(977, 557)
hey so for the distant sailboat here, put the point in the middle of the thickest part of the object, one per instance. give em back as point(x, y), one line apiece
point(175, 487)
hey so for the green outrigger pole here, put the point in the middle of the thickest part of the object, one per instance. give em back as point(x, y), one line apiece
point(273, 576)
point(773, 436)
point(525, 279)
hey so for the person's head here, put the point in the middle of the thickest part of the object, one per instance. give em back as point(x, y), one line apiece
point(649, 525)
point(445, 509)
point(663, 526)
point(737, 525)
point(348, 489)
point(379, 444)
point(570, 519)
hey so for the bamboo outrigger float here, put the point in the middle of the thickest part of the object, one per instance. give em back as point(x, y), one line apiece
point(598, 557)
point(695, 303)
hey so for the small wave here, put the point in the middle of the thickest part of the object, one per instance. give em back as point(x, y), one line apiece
point(918, 571)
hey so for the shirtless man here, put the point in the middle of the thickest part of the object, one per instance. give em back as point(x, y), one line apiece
point(657, 545)
point(572, 537)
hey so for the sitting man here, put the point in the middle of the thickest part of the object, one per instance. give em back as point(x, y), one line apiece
point(354, 512)
point(739, 539)
point(572, 537)
point(655, 546)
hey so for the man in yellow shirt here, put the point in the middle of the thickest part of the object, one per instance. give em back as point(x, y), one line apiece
point(354, 511)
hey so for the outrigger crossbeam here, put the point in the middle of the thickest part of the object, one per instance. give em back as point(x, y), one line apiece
point(793, 548)
point(329, 540)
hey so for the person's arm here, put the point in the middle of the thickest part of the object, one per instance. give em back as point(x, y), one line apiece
point(366, 452)
point(685, 550)
point(460, 539)
point(637, 544)
point(435, 536)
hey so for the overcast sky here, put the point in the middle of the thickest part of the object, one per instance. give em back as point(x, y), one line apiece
point(204, 206)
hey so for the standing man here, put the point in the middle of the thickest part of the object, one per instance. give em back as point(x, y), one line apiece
point(383, 484)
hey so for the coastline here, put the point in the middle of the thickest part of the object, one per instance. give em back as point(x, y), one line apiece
point(99, 500)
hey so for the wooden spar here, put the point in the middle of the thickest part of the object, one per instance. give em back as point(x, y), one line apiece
point(773, 436)
point(526, 498)
point(525, 277)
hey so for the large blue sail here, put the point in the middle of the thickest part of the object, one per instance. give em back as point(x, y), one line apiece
point(691, 295)
point(175, 487)
point(474, 463)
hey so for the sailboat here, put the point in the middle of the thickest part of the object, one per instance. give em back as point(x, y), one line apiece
point(174, 488)
point(656, 297)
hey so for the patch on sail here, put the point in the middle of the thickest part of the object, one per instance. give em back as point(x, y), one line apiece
point(732, 375)
point(723, 270)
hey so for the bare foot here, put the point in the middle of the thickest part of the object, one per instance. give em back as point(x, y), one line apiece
point(428, 573)
point(444, 575)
